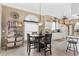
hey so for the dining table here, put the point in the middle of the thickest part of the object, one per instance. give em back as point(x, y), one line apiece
point(38, 38)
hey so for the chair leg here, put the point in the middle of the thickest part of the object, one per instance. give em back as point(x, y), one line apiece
point(34, 46)
point(74, 49)
point(45, 52)
point(29, 50)
point(50, 50)
point(67, 47)
point(70, 46)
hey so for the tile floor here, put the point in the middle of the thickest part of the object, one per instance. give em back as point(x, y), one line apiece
point(58, 49)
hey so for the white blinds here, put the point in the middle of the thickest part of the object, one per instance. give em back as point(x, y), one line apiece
point(29, 28)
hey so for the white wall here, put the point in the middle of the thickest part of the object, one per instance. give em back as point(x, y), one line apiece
point(52, 9)
point(75, 8)
point(30, 7)
point(0, 23)
point(56, 9)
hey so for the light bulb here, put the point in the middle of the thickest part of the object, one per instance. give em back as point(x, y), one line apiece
point(3, 31)
point(20, 25)
point(77, 23)
point(40, 24)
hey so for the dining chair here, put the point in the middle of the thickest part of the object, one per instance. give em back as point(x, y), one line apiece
point(30, 44)
point(72, 41)
point(34, 33)
point(47, 43)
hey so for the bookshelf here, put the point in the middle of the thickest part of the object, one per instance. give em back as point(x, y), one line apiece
point(15, 34)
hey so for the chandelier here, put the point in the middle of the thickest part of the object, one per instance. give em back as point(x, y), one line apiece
point(65, 21)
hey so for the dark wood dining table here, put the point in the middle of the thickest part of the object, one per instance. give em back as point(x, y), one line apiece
point(38, 38)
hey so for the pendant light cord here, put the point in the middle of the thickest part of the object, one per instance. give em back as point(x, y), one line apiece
point(40, 11)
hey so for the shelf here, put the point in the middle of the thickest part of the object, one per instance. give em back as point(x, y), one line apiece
point(11, 42)
point(19, 40)
point(19, 45)
point(10, 45)
point(15, 35)
point(10, 36)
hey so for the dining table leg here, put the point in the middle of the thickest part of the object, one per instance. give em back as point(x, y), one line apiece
point(38, 44)
point(39, 47)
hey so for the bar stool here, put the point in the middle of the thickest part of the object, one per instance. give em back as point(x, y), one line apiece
point(72, 41)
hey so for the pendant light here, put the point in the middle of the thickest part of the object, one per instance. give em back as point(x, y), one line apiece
point(65, 21)
point(40, 24)
point(78, 20)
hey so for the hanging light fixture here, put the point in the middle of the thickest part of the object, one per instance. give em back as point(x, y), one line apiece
point(78, 20)
point(65, 21)
point(18, 24)
point(3, 31)
point(40, 24)
point(54, 19)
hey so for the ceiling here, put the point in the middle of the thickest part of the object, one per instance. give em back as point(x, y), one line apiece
point(52, 9)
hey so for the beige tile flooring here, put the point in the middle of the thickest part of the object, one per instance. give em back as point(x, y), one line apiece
point(58, 49)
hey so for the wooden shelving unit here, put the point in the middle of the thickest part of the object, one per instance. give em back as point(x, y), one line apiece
point(15, 34)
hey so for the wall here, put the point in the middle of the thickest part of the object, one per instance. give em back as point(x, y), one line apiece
point(30, 7)
point(6, 14)
point(75, 8)
point(52, 9)
point(56, 9)
point(0, 23)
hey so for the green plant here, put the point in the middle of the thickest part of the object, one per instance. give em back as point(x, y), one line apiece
point(40, 29)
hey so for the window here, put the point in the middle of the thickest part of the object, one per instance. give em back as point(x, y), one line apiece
point(48, 25)
point(55, 25)
point(30, 25)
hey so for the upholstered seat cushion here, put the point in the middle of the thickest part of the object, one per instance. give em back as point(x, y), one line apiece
point(19, 43)
point(10, 44)
point(11, 39)
point(73, 42)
